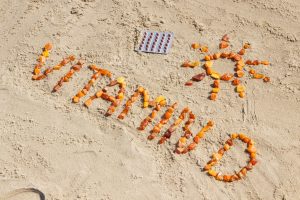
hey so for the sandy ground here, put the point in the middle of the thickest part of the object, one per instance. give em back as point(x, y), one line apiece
point(70, 152)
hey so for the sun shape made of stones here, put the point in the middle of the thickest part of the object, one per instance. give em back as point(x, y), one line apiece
point(240, 67)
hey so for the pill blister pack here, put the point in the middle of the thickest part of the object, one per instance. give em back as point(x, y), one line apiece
point(155, 42)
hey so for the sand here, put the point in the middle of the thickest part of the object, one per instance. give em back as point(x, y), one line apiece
point(70, 152)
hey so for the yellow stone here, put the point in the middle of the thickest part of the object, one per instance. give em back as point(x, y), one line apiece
point(215, 90)
point(163, 103)
point(241, 63)
point(121, 95)
point(159, 99)
point(204, 49)
point(141, 89)
point(182, 140)
point(212, 172)
point(88, 102)
point(121, 79)
point(240, 88)
point(208, 64)
point(215, 75)
point(45, 54)
point(195, 63)
point(201, 133)
point(99, 94)
point(146, 104)
point(75, 99)
point(234, 135)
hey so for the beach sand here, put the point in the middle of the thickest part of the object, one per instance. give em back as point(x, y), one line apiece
point(70, 152)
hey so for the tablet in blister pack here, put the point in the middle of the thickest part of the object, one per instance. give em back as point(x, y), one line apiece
point(156, 42)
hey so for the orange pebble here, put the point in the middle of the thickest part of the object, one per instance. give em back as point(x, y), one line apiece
point(234, 135)
point(217, 56)
point(253, 161)
point(196, 139)
point(247, 46)
point(168, 115)
point(221, 151)
point(251, 149)
point(226, 178)
point(266, 79)
point(213, 96)
point(253, 155)
point(189, 83)
point(248, 62)
point(72, 57)
point(217, 156)
point(204, 49)
point(225, 38)
point(226, 147)
point(42, 59)
point(75, 99)
point(258, 76)
point(237, 57)
point(240, 73)
point(265, 62)
point(186, 64)
point(239, 67)
point(226, 76)
point(207, 167)
point(246, 140)
point(229, 142)
point(216, 83)
point(242, 94)
point(236, 82)
point(207, 58)
point(231, 55)
point(242, 52)
point(195, 45)
point(252, 71)
point(57, 67)
point(99, 94)
point(224, 55)
point(242, 136)
point(223, 45)
point(192, 146)
point(208, 71)
point(48, 46)
point(88, 102)
point(210, 123)
point(244, 171)
point(219, 177)
point(36, 71)
point(255, 62)
point(241, 63)
point(80, 94)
